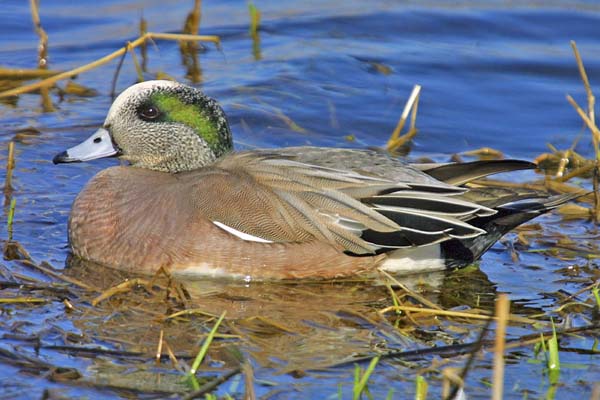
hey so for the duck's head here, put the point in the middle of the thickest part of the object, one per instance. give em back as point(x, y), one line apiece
point(160, 125)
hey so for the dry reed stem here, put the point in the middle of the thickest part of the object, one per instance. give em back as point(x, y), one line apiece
point(194, 18)
point(24, 73)
point(120, 288)
point(450, 377)
point(413, 115)
point(576, 172)
point(269, 321)
point(58, 276)
point(103, 60)
point(591, 123)
point(144, 46)
point(411, 293)
point(43, 44)
point(445, 387)
point(586, 83)
point(248, 372)
point(173, 358)
point(457, 314)
point(566, 156)
point(191, 311)
point(68, 305)
point(47, 105)
point(395, 139)
point(138, 68)
point(502, 316)
point(181, 36)
point(562, 188)
point(562, 164)
point(580, 291)
point(159, 346)
point(14, 300)
point(574, 211)
point(484, 152)
point(595, 392)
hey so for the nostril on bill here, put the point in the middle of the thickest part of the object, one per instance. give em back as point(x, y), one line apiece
point(97, 140)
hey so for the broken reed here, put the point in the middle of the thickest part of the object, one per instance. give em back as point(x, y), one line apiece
point(43, 43)
point(396, 141)
point(589, 118)
point(42, 53)
point(192, 22)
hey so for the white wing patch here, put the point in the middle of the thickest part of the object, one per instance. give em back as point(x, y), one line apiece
point(241, 235)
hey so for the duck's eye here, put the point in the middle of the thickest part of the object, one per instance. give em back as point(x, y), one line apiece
point(149, 112)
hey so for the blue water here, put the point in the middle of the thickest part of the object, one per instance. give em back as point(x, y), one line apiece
point(494, 74)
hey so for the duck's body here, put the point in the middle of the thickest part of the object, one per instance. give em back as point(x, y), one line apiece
point(184, 240)
point(281, 214)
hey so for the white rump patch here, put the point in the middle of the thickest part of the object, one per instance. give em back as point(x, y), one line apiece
point(241, 235)
point(419, 259)
point(204, 269)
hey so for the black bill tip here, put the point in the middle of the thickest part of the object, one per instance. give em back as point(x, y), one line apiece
point(62, 158)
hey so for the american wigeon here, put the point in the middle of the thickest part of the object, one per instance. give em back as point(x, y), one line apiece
point(191, 205)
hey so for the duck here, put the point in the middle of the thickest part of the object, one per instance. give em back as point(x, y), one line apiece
point(183, 200)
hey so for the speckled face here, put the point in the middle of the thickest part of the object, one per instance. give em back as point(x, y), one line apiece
point(167, 126)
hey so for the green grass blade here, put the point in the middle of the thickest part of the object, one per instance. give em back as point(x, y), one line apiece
point(254, 19)
point(421, 388)
point(205, 345)
point(390, 394)
point(10, 218)
point(360, 384)
point(553, 358)
point(596, 293)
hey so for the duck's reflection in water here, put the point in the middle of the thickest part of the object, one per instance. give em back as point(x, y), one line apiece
point(288, 326)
